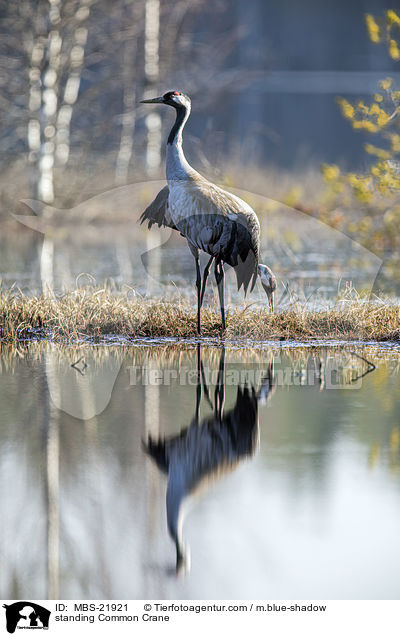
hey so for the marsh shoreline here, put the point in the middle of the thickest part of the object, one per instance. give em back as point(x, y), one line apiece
point(94, 315)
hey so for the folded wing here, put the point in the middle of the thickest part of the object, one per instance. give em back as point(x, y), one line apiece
point(158, 212)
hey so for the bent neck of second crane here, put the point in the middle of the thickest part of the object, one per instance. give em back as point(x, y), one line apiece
point(177, 166)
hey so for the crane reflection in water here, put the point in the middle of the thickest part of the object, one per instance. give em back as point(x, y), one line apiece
point(209, 447)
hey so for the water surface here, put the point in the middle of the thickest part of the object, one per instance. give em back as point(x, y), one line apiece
point(282, 465)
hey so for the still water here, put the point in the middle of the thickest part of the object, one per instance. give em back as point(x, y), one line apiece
point(269, 473)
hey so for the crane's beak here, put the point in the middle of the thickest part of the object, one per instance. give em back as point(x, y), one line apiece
point(154, 100)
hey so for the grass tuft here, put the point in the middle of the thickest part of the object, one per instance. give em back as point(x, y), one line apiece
point(91, 314)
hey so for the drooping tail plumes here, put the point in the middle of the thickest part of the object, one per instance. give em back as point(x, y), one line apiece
point(246, 271)
point(156, 449)
point(244, 256)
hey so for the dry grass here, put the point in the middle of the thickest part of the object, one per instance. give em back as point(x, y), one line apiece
point(94, 313)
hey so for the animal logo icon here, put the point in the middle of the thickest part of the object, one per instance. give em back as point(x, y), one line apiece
point(25, 614)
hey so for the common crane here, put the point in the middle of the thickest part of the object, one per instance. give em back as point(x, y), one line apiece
point(207, 448)
point(211, 219)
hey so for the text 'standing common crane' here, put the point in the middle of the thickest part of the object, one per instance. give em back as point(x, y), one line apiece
point(211, 219)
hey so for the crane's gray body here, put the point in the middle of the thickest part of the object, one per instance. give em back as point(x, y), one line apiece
point(211, 219)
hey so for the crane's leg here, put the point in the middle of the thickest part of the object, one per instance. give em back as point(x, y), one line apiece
point(219, 277)
point(205, 276)
point(219, 394)
point(201, 385)
point(198, 285)
point(205, 387)
point(198, 388)
point(271, 301)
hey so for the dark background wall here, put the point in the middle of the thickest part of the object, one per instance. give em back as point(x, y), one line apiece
point(298, 56)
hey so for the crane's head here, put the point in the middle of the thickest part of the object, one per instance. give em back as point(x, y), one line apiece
point(268, 281)
point(172, 98)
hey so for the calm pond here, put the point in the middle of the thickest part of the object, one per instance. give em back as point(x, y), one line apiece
point(260, 473)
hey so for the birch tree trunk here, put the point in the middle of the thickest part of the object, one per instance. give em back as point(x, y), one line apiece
point(49, 81)
point(49, 116)
point(151, 72)
point(131, 83)
point(72, 84)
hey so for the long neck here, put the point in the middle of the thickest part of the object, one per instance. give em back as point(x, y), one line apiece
point(177, 166)
point(176, 493)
